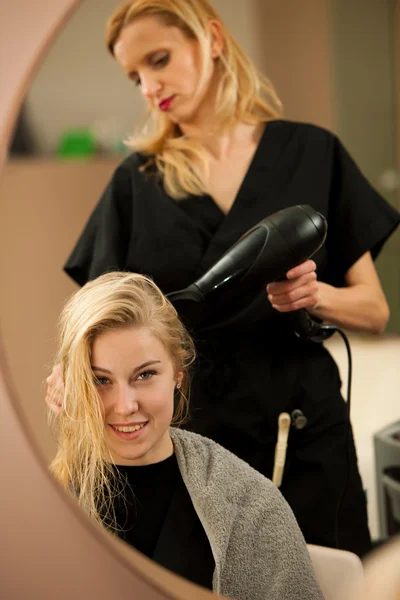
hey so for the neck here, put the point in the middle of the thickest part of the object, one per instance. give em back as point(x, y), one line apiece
point(205, 123)
point(232, 141)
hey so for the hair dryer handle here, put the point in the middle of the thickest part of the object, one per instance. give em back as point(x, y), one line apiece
point(307, 327)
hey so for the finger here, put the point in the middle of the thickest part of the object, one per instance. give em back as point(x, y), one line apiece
point(306, 267)
point(53, 403)
point(55, 408)
point(56, 373)
point(283, 287)
point(309, 290)
point(53, 400)
point(52, 378)
point(307, 302)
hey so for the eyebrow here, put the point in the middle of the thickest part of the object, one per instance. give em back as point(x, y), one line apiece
point(145, 364)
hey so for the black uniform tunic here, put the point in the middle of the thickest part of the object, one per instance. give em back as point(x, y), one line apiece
point(251, 366)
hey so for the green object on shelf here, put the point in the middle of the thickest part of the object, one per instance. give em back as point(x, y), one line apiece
point(76, 143)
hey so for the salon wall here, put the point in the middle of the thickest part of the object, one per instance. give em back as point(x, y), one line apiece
point(364, 90)
point(295, 50)
point(78, 84)
point(396, 43)
point(365, 34)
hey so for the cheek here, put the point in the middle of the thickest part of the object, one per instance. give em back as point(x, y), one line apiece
point(105, 402)
point(186, 75)
point(162, 400)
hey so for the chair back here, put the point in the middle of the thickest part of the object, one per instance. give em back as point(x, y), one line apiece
point(338, 572)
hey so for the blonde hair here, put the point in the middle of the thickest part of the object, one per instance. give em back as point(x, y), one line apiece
point(243, 95)
point(83, 462)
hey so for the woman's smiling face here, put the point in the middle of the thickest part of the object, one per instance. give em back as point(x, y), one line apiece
point(167, 66)
point(136, 379)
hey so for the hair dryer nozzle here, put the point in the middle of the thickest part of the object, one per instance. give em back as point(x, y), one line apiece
point(192, 292)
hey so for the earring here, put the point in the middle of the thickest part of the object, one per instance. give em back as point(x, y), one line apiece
point(178, 385)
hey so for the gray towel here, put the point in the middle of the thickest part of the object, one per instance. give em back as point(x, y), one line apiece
point(259, 550)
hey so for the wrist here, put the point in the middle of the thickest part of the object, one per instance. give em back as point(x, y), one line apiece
point(326, 301)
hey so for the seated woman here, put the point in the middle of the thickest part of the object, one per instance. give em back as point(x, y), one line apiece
point(174, 495)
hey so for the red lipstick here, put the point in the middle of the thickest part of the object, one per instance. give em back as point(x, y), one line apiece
point(165, 104)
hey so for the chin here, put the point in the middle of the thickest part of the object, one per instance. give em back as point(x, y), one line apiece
point(125, 458)
point(182, 121)
point(182, 117)
point(174, 119)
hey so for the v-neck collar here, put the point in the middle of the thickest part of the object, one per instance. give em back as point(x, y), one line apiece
point(249, 205)
point(240, 217)
point(263, 157)
point(254, 159)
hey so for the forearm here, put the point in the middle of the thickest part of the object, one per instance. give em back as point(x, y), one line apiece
point(359, 307)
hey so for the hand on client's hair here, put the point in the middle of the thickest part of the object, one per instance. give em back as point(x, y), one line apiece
point(55, 390)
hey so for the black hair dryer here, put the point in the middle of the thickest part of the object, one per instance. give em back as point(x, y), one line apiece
point(264, 254)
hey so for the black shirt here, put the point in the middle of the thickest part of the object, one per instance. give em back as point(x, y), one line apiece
point(155, 515)
point(142, 507)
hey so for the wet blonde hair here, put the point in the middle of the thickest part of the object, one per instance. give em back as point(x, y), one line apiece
point(243, 95)
point(83, 463)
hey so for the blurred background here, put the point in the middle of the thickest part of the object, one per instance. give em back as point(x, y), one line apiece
point(334, 63)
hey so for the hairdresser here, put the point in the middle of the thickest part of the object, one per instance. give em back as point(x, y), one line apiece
point(219, 159)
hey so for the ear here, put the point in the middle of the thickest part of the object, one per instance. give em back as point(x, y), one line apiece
point(217, 44)
point(179, 379)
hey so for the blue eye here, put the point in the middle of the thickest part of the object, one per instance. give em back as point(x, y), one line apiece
point(101, 381)
point(146, 375)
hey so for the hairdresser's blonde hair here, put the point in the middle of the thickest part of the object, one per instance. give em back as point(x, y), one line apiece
point(83, 463)
point(244, 95)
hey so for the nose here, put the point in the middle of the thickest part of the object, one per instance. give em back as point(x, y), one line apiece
point(126, 402)
point(150, 86)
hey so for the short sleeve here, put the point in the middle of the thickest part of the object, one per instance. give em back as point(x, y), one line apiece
point(104, 242)
point(359, 219)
